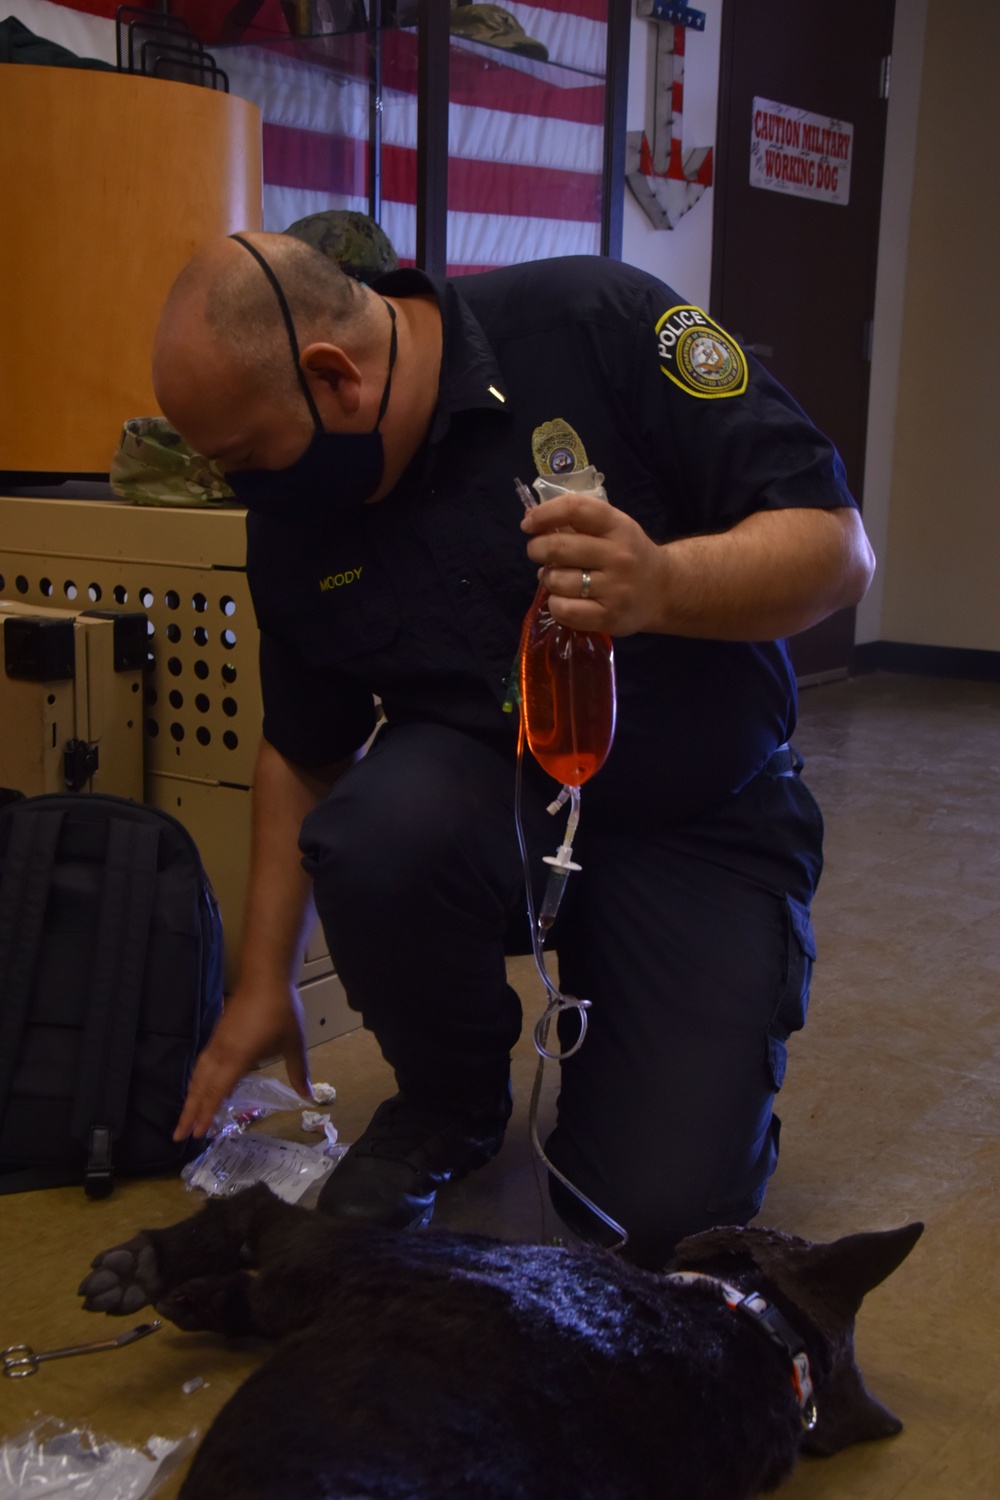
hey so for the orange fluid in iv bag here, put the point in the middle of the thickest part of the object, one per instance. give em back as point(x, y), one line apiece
point(567, 694)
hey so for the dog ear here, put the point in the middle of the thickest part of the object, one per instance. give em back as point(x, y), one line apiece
point(848, 1414)
point(839, 1275)
point(852, 1266)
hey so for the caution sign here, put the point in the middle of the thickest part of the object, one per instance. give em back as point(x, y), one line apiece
point(698, 355)
point(792, 151)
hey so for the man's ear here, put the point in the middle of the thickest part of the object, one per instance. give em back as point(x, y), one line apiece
point(328, 366)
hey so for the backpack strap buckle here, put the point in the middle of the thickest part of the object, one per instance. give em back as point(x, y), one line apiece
point(99, 1177)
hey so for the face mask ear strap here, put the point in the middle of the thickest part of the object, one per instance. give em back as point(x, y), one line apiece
point(392, 360)
point(289, 326)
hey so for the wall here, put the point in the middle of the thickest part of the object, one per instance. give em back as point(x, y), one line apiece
point(944, 520)
point(890, 295)
point(682, 257)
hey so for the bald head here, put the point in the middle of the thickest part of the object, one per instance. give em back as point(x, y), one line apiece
point(222, 354)
point(223, 298)
point(225, 376)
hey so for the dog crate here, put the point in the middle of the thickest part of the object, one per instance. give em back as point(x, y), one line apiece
point(71, 701)
point(200, 690)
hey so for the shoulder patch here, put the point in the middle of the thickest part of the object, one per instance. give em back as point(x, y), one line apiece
point(699, 356)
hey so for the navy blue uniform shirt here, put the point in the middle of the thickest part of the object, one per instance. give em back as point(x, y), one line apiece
point(420, 598)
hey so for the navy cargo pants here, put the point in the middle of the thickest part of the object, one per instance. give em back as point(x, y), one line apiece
point(692, 942)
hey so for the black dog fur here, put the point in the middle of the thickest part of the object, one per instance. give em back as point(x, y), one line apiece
point(437, 1366)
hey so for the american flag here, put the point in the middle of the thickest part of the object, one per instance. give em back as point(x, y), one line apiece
point(525, 138)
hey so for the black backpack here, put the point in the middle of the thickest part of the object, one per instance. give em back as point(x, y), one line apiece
point(110, 983)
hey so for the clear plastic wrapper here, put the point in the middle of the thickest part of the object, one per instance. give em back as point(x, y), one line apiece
point(52, 1458)
point(234, 1162)
point(252, 1099)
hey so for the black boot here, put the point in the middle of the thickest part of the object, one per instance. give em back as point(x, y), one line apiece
point(390, 1176)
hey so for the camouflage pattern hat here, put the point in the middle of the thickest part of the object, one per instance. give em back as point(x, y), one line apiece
point(497, 28)
point(153, 465)
point(353, 240)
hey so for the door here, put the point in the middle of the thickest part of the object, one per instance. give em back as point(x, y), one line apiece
point(793, 264)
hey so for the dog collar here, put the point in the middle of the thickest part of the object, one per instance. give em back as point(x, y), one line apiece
point(771, 1323)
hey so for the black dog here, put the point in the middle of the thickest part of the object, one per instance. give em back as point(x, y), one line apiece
point(436, 1366)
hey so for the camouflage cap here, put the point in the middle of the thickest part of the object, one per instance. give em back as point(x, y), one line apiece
point(153, 465)
point(352, 240)
point(497, 28)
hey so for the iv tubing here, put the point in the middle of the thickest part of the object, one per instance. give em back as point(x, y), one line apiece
point(557, 1001)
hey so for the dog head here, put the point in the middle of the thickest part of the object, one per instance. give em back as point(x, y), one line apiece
point(819, 1289)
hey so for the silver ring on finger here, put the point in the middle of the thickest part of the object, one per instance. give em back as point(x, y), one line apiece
point(584, 584)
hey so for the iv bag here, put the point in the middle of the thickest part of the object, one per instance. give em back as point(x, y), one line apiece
point(567, 676)
point(567, 694)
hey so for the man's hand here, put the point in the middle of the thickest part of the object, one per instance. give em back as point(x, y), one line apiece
point(773, 574)
point(255, 1024)
point(263, 1015)
point(575, 533)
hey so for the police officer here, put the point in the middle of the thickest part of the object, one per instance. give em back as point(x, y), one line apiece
point(374, 434)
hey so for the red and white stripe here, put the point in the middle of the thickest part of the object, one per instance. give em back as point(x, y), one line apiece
point(525, 139)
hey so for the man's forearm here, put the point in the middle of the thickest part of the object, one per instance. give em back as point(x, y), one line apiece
point(263, 1015)
point(774, 574)
point(279, 912)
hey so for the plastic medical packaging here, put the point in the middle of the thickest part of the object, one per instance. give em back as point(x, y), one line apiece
point(52, 1458)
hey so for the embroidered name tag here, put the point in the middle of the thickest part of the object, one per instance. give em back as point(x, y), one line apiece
point(338, 580)
point(698, 355)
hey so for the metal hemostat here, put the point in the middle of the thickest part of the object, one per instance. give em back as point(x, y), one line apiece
point(20, 1360)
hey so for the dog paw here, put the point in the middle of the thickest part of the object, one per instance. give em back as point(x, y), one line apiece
point(123, 1279)
point(215, 1304)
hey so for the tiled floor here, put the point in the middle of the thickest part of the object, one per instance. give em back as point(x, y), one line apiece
point(891, 1112)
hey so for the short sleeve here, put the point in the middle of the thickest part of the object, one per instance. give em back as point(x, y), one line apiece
point(713, 417)
point(313, 715)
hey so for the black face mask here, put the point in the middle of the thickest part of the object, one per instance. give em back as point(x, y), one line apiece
point(338, 471)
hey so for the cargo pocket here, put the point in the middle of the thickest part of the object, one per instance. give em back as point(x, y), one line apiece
point(793, 999)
